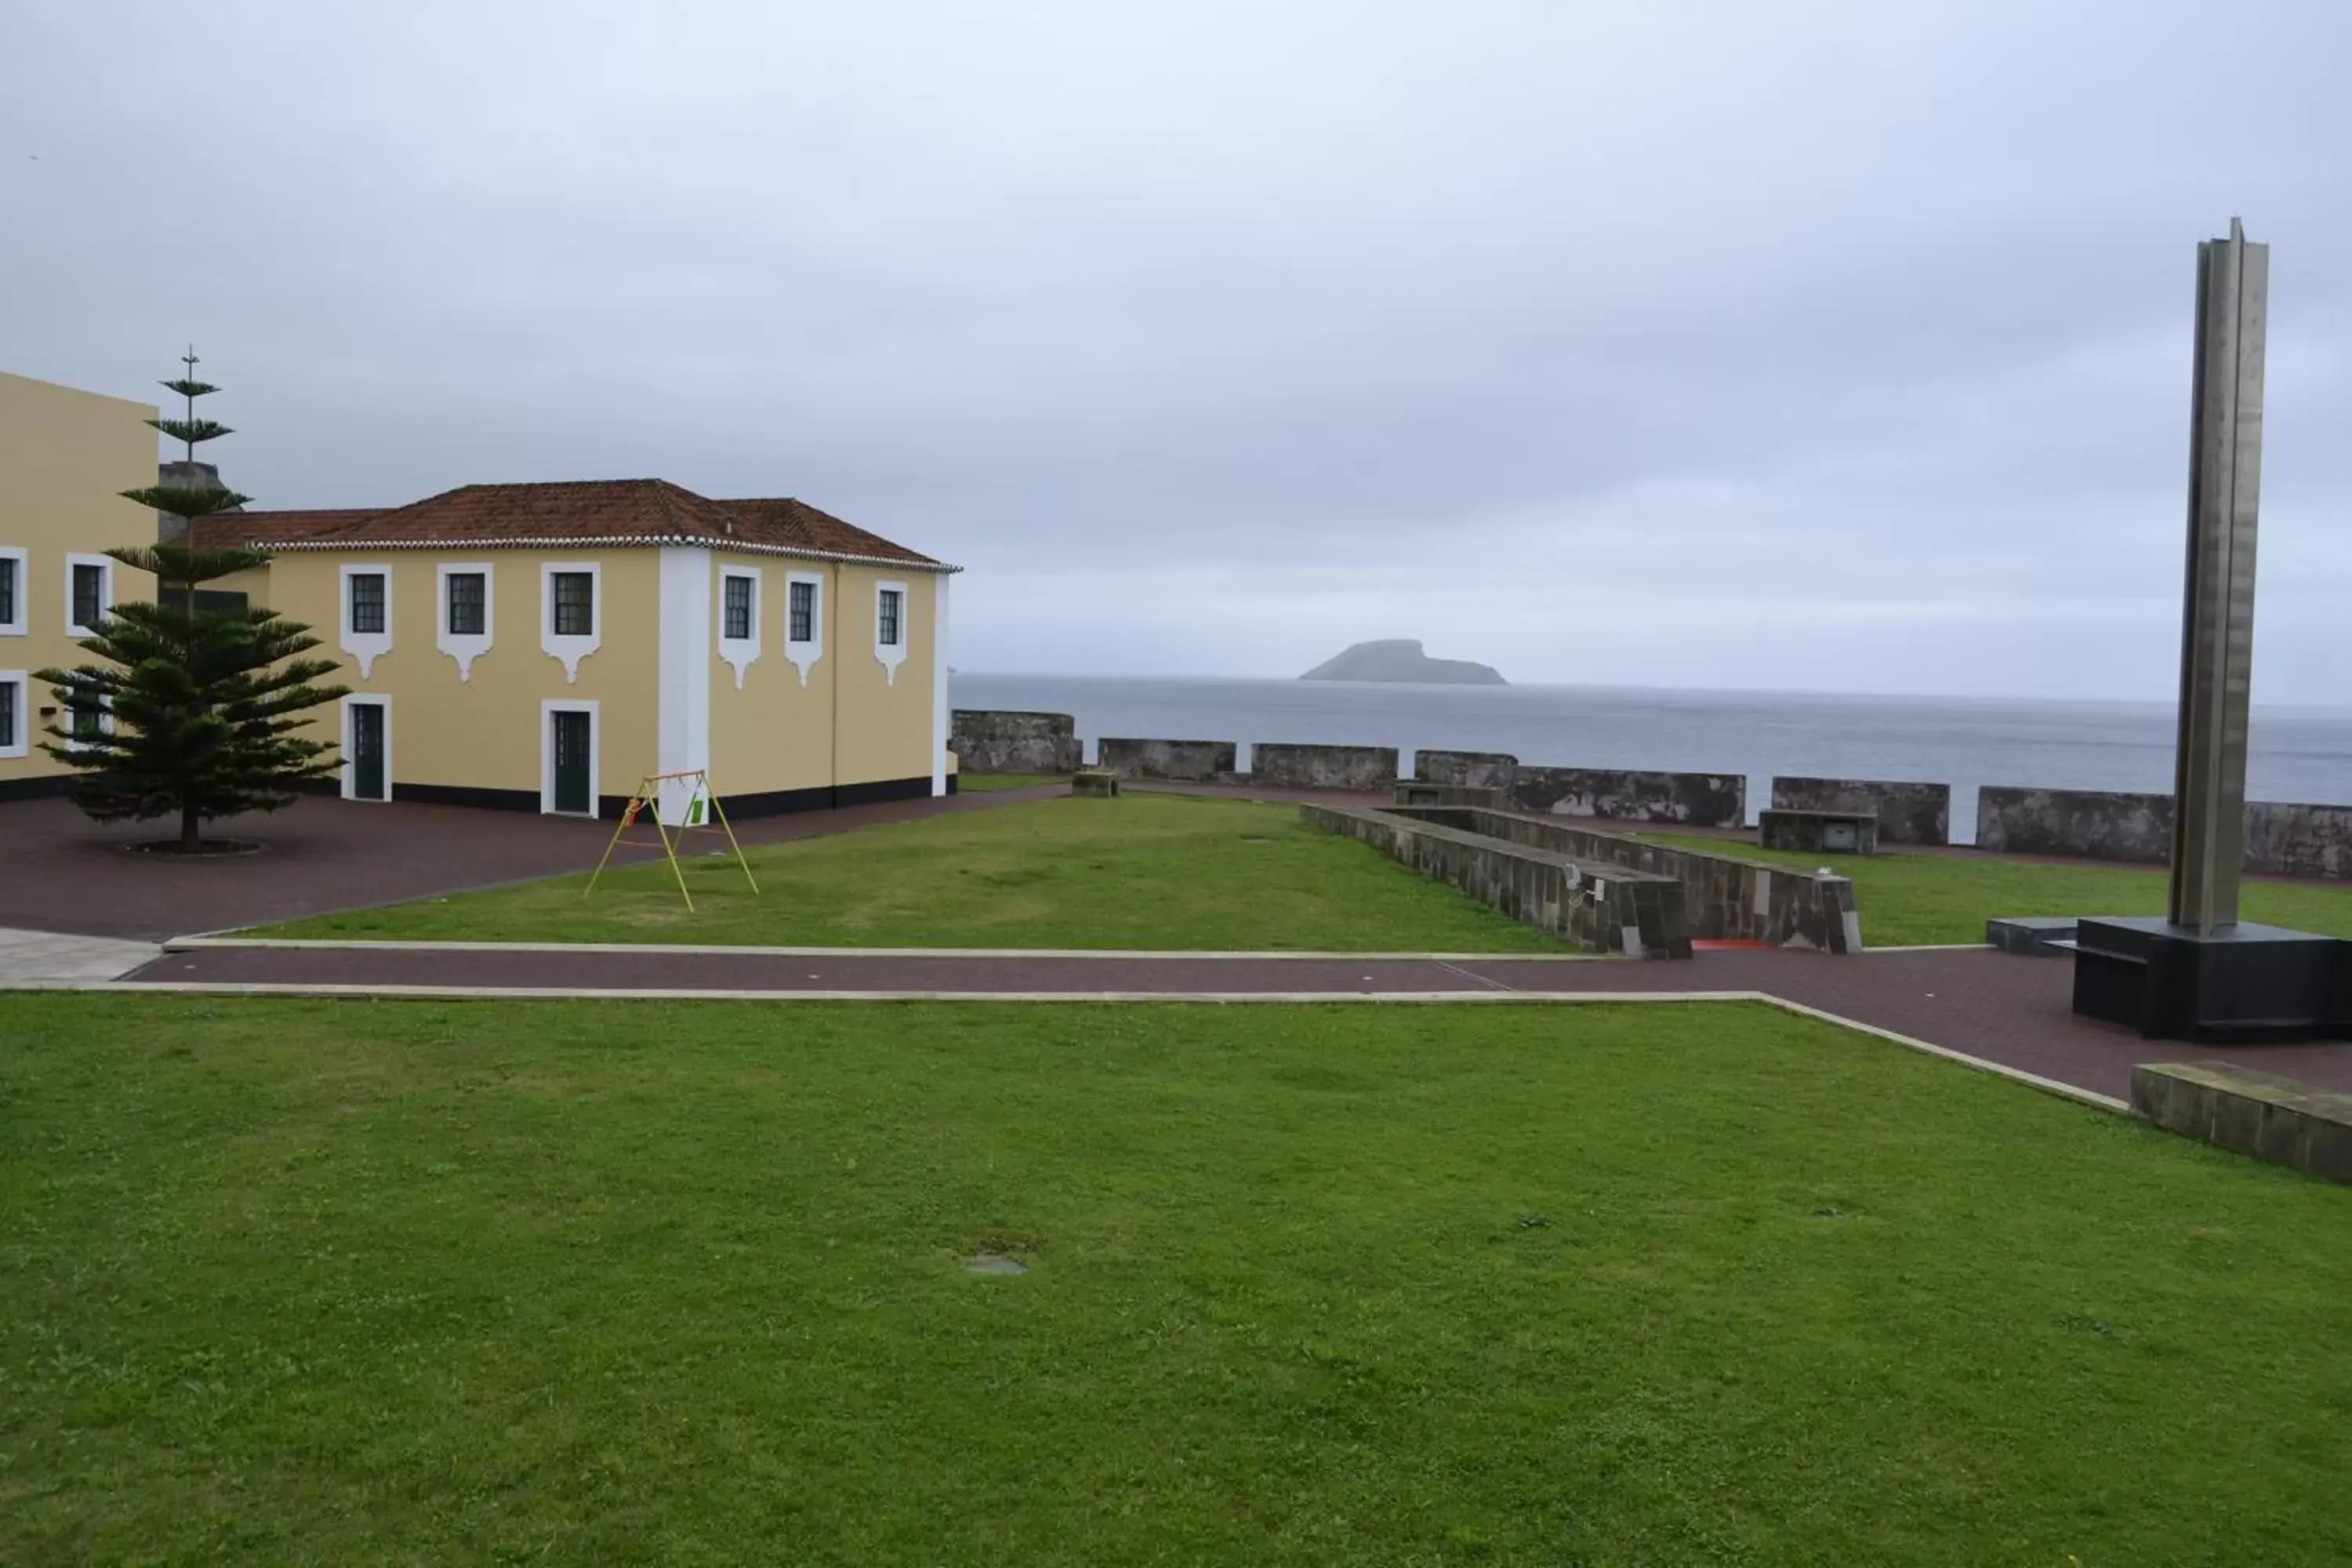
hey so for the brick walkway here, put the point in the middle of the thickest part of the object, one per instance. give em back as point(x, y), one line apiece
point(1991, 1007)
point(59, 871)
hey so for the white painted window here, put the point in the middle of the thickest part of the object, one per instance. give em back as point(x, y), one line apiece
point(890, 627)
point(16, 713)
point(739, 618)
point(12, 594)
point(366, 620)
point(89, 593)
point(466, 621)
point(570, 612)
point(803, 620)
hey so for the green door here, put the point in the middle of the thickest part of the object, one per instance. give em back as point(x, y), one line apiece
point(570, 743)
point(367, 751)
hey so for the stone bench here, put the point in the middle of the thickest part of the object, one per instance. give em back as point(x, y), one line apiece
point(1819, 832)
point(2258, 1113)
point(1094, 780)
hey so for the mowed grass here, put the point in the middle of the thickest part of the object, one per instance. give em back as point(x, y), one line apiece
point(1140, 872)
point(614, 1282)
point(1907, 900)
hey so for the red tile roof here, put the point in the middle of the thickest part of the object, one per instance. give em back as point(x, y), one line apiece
point(591, 511)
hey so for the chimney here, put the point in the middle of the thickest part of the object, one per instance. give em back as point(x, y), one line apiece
point(183, 474)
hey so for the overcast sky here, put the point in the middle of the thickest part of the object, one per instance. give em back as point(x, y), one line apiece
point(1797, 345)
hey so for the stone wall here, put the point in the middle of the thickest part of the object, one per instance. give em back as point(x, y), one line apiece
point(1705, 800)
point(1724, 897)
point(2258, 1113)
point(1479, 770)
point(1597, 906)
point(1907, 813)
point(1819, 832)
point(2282, 839)
point(1191, 761)
point(1324, 767)
point(990, 741)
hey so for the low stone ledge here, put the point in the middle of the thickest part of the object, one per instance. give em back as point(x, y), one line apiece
point(1701, 800)
point(1479, 770)
point(1176, 761)
point(1323, 767)
point(1600, 906)
point(2258, 1113)
point(991, 741)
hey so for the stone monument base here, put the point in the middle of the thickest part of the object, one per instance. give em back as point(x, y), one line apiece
point(2242, 984)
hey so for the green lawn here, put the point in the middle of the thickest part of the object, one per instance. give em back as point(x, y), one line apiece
point(985, 784)
point(615, 1282)
point(1910, 899)
point(1140, 872)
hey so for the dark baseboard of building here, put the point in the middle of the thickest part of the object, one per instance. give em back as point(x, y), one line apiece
point(48, 786)
point(608, 806)
point(782, 802)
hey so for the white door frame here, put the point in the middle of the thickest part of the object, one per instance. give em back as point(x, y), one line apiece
point(548, 709)
point(351, 762)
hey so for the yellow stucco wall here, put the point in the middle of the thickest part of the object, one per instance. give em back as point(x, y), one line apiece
point(486, 731)
point(64, 454)
point(886, 722)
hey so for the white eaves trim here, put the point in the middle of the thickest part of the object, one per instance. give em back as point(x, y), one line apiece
point(618, 541)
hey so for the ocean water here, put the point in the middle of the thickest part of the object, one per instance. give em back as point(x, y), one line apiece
point(2298, 754)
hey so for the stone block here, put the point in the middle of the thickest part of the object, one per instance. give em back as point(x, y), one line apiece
point(2272, 1117)
point(989, 740)
point(2093, 825)
point(1819, 832)
point(2033, 936)
point(1093, 781)
point(1419, 794)
point(1705, 800)
point(1182, 762)
point(1477, 770)
point(1906, 813)
point(1323, 767)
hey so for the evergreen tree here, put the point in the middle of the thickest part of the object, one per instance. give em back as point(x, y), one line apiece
point(195, 711)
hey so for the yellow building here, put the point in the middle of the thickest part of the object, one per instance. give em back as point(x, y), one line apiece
point(541, 646)
point(547, 645)
point(64, 457)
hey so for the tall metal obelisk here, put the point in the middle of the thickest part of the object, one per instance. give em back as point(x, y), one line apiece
point(2217, 631)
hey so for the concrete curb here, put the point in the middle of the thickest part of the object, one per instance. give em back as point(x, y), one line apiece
point(196, 943)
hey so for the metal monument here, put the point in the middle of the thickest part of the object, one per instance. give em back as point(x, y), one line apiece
point(2217, 622)
point(2200, 973)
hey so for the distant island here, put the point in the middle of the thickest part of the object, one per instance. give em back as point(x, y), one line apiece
point(1401, 659)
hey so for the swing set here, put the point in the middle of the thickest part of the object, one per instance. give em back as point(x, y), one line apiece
point(702, 806)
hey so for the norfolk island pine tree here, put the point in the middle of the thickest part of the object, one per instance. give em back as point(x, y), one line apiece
point(193, 712)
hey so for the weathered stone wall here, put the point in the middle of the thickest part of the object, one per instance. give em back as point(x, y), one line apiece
point(2096, 825)
point(1723, 896)
point(1907, 813)
point(1479, 770)
point(1706, 800)
point(2258, 1113)
point(2282, 839)
point(1595, 905)
point(993, 741)
point(1323, 767)
point(2299, 840)
point(1418, 793)
point(1812, 832)
point(1191, 761)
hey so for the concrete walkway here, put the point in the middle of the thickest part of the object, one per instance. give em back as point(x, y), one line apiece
point(40, 955)
point(2012, 1014)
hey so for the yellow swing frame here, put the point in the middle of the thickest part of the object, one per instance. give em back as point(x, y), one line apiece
point(648, 790)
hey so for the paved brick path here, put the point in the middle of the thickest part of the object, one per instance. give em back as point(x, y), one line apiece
point(1991, 1007)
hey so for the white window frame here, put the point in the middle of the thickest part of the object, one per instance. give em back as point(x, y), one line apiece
point(105, 565)
point(890, 655)
point(365, 646)
point(548, 709)
point(22, 624)
point(571, 648)
point(21, 744)
point(802, 652)
point(740, 652)
point(351, 762)
point(464, 647)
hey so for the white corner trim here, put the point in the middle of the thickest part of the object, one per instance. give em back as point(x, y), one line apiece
point(738, 652)
point(365, 646)
point(351, 763)
point(939, 714)
point(890, 655)
point(19, 745)
point(105, 565)
point(548, 709)
point(19, 627)
point(464, 647)
point(571, 648)
point(683, 666)
point(802, 652)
